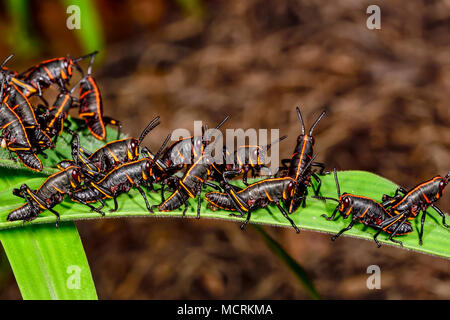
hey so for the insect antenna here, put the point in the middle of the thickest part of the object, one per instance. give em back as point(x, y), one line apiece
point(337, 183)
point(207, 138)
point(337, 188)
point(158, 153)
point(6, 60)
point(299, 114)
point(275, 142)
point(85, 56)
point(153, 124)
point(309, 164)
point(324, 198)
point(91, 63)
point(315, 123)
point(222, 122)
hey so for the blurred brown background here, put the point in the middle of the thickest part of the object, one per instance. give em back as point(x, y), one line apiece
point(385, 91)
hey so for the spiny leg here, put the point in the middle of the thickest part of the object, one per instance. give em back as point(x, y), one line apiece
point(145, 199)
point(422, 222)
point(23, 194)
point(212, 185)
point(320, 165)
point(376, 236)
point(230, 173)
point(333, 238)
point(283, 212)
point(319, 183)
point(29, 194)
point(385, 225)
point(329, 218)
point(442, 214)
point(232, 194)
point(26, 190)
point(162, 193)
point(185, 209)
point(98, 210)
point(56, 214)
point(253, 172)
point(396, 230)
point(199, 203)
point(116, 206)
point(388, 200)
point(102, 204)
point(244, 177)
point(249, 213)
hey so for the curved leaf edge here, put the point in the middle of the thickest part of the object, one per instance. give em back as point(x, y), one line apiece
point(306, 218)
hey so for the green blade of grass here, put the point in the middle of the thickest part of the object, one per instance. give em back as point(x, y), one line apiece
point(436, 237)
point(49, 263)
point(43, 258)
point(90, 33)
point(193, 8)
point(293, 265)
point(19, 35)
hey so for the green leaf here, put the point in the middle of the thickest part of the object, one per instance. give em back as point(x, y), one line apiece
point(293, 265)
point(436, 240)
point(49, 263)
point(42, 257)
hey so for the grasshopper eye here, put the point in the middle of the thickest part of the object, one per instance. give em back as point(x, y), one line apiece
point(255, 154)
point(68, 66)
point(147, 167)
point(442, 186)
point(134, 147)
point(345, 203)
point(290, 188)
point(76, 176)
